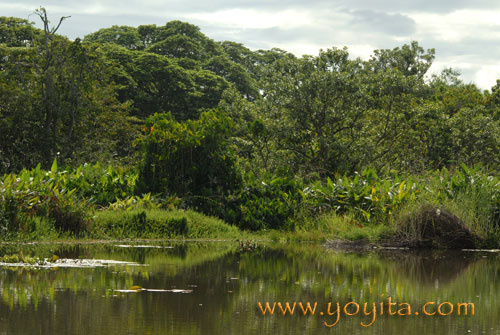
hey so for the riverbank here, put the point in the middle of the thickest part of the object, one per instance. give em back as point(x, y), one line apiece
point(334, 230)
point(441, 209)
point(150, 224)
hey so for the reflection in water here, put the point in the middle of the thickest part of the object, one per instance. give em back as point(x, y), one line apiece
point(225, 283)
point(433, 267)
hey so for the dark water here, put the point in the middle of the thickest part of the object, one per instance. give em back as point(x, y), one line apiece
point(227, 282)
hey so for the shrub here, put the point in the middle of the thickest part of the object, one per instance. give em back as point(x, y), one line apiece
point(192, 160)
point(265, 204)
point(37, 193)
point(365, 195)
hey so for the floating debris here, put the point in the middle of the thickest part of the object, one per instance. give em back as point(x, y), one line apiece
point(482, 250)
point(86, 263)
point(67, 263)
point(179, 291)
point(133, 289)
point(142, 246)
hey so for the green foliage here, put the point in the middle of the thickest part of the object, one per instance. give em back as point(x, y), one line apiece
point(479, 192)
point(154, 83)
point(410, 60)
point(330, 225)
point(365, 195)
point(100, 184)
point(172, 68)
point(324, 117)
point(475, 137)
point(125, 36)
point(146, 201)
point(234, 73)
point(16, 32)
point(314, 106)
point(281, 202)
point(192, 160)
point(157, 223)
point(37, 193)
point(55, 97)
point(136, 224)
point(36, 199)
point(271, 203)
point(471, 194)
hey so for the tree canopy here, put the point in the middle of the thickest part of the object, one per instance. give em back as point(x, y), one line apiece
point(87, 100)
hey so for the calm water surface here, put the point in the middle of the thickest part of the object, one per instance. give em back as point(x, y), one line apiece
point(223, 284)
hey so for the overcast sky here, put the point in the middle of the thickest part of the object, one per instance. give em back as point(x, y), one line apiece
point(465, 34)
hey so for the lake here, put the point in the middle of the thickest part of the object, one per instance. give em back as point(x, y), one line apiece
point(173, 287)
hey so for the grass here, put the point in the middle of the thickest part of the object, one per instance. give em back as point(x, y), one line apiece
point(159, 223)
point(188, 224)
point(331, 226)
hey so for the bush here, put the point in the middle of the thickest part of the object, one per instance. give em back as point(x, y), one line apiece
point(365, 195)
point(37, 193)
point(9, 221)
point(100, 184)
point(271, 203)
point(192, 160)
point(470, 194)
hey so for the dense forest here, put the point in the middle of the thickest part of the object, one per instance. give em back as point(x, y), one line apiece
point(258, 138)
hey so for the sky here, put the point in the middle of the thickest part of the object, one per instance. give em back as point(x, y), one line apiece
point(464, 33)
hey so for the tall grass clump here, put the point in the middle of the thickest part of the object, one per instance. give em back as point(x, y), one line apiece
point(473, 194)
point(333, 226)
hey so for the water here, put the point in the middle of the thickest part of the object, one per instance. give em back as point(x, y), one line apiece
point(223, 284)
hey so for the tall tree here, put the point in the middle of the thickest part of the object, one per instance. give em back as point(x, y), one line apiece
point(54, 90)
point(318, 106)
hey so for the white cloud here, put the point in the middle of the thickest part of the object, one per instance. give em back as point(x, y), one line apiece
point(253, 19)
point(458, 25)
point(364, 51)
point(464, 39)
point(488, 74)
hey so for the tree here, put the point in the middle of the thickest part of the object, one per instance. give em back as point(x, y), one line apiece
point(177, 46)
point(153, 83)
point(124, 36)
point(475, 137)
point(252, 134)
point(410, 60)
point(54, 91)
point(16, 32)
point(318, 106)
point(234, 73)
